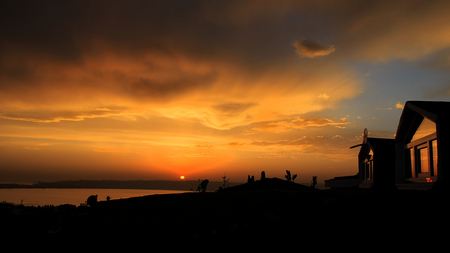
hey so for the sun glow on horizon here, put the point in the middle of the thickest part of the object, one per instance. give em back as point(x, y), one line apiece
point(136, 103)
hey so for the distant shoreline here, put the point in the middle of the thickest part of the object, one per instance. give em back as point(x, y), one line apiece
point(120, 184)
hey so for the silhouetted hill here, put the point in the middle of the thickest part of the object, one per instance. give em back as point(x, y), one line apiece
point(320, 219)
point(269, 184)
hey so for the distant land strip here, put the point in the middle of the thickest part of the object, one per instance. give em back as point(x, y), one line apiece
point(123, 184)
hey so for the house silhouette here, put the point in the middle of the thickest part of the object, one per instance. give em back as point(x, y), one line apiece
point(414, 160)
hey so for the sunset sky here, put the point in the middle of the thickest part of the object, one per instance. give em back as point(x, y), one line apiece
point(158, 89)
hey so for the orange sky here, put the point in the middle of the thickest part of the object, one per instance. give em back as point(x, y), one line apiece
point(159, 89)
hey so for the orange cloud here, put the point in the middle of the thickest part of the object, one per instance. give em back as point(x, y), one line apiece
point(47, 115)
point(235, 144)
point(147, 81)
point(195, 155)
point(203, 146)
point(324, 96)
point(111, 150)
point(399, 105)
point(299, 123)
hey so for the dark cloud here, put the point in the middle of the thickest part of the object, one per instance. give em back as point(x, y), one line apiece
point(67, 30)
point(386, 30)
point(165, 90)
point(311, 49)
point(437, 61)
point(138, 51)
point(234, 30)
point(41, 41)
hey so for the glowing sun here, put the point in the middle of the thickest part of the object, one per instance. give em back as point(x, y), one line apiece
point(182, 177)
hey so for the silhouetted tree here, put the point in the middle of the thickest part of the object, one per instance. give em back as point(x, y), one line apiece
point(225, 181)
point(289, 177)
point(314, 182)
point(91, 200)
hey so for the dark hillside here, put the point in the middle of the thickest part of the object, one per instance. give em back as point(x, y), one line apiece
point(320, 218)
point(269, 184)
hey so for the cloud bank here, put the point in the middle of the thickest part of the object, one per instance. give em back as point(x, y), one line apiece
point(158, 80)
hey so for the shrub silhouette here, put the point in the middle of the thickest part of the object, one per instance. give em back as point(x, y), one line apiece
point(314, 182)
point(289, 177)
point(225, 181)
point(91, 200)
point(202, 185)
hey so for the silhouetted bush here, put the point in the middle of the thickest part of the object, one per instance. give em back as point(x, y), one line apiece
point(91, 200)
point(202, 185)
point(314, 182)
point(288, 176)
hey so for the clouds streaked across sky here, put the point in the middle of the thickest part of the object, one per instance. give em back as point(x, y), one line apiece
point(159, 89)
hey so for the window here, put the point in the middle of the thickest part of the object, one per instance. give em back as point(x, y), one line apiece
point(435, 156)
point(427, 127)
point(369, 170)
point(369, 166)
point(413, 162)
point(424, 168)
point(423, 151)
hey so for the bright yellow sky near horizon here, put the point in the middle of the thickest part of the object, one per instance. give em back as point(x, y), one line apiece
point(155, 90)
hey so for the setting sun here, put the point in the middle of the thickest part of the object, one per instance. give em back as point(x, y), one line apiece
point(136, 96)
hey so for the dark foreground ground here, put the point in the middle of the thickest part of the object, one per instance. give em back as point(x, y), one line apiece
point(355, 220)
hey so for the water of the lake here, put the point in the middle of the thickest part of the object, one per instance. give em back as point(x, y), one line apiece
point(42, 197)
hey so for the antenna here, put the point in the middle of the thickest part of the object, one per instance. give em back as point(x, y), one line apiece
point(365, 136)
point(364, 139)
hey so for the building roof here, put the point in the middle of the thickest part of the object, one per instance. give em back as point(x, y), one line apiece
point(413, 114)
point(381, 144)
point(429, 109)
